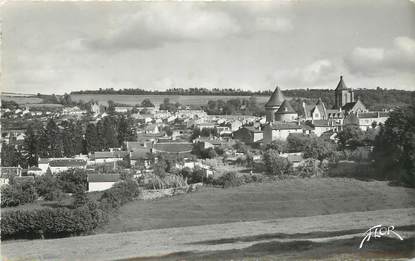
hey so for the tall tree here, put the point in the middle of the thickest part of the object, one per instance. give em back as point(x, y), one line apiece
point(31, 146)
point(91, 138)
point(110, 133)
point(55, 145)
point(394, 150)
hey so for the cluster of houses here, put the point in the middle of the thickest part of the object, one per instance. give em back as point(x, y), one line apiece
point(282, 119)
point(279, 122)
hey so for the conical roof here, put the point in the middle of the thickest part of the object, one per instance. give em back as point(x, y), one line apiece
point(341, 85)
point(276, 99)
point(285, 108)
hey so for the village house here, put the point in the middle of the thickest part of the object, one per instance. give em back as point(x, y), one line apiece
point(280, 131)
point(57, 165)
point(249, 135)
point(34, 171)
point(101, 182)
point(366, 120)
point(100, 157)
point(7, 173)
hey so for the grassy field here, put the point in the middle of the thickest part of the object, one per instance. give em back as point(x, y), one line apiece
point(285, 198)
point(158, 99)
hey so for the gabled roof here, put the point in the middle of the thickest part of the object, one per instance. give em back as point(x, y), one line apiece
point(286, 126)
point(173, 147)
point(103, 177)
point(109, 154)
point(276, 99)
point(286, 108)
point(341, 85)
point(67, 162)
point(349, 106)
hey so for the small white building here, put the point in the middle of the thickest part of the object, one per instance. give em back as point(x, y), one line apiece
point(101, 182)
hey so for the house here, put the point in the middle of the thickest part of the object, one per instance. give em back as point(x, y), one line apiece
point(95, 108)
point(123, 109)
point(152, 129)
point(206, 125)
point(172, 147)
point(58, 165)
point(248, 135)
point(8, 173)
point(101, 182)
point(280, 131)
point(140, 157)
point(100, 157)
point(285, 112)
point(322, 126)
point(34, 171)
point(235, 125)
point(366, 120)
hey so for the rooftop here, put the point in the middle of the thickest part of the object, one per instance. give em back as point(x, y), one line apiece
point(276, 99)
point(286, 108)
point(341, 85)
point(173, 147)
point(67, 163)
point(103, 177)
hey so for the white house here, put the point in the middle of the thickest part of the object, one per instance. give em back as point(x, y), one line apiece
point(101, 182)
point(280, 131)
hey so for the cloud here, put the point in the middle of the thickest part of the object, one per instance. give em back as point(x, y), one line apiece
point(318, 72)
point(375, 61)
point(273, 24)
point(151, 27)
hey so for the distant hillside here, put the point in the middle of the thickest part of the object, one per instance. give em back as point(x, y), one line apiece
point(374, 99)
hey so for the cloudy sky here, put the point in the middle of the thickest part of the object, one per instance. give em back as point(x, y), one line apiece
point(64, 46)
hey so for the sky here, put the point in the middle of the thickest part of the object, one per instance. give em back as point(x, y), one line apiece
point(58, 47)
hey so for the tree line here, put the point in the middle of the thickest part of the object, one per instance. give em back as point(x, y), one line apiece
point(66, 139)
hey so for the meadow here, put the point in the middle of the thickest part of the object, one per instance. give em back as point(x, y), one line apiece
point(260, 201)
point(158, 99)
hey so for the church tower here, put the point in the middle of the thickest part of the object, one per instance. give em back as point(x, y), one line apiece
point(342, 94)
point(273, 104)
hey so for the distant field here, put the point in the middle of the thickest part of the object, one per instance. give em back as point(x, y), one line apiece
point(22, 99)
point(286, 198)
point(158, 99)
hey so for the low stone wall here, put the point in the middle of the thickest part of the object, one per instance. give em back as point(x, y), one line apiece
point(161, 193)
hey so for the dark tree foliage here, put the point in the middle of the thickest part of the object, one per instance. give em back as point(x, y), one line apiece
point(275, 164)
point(394, 149)
point(72, 180)
point(147, 103)
point(17, 193)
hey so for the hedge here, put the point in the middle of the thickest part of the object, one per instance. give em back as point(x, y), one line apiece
point(119, 194)
point(62, 222)
point(51, 222)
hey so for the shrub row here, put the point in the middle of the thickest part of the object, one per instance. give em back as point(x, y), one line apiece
point(62, 222)
point(231, 179)
point(119, 194)
point(51, 222)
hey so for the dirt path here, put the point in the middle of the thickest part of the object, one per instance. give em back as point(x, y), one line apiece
point(219, 237)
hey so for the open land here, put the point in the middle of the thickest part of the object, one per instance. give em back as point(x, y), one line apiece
point(266, 221)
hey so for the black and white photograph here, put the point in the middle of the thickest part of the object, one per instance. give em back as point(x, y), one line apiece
point(207, 130)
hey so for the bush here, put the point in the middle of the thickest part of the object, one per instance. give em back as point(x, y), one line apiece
point(17, 194)
point(276, 165)
point(230, 179)
point(51, 222)
point(70, 181)
point(47, 187)
point(119, 194)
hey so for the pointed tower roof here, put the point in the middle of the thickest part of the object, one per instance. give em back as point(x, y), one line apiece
point(341, 85)
point(276, 99)
point(286, 108)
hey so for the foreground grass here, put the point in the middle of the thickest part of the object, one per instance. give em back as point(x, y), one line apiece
point(285, 198)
